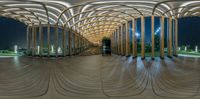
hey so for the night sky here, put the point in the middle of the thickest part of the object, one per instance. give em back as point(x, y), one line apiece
point(14, 32)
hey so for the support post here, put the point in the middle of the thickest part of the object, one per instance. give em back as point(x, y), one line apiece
point(122, 40)
point(27, 39)
point(143, 38)
point(176, 38)
point(169, 37)
point(152, 38)
point(56, 39)
point(48, 39)
point(41, 40)
point(64, 40)
point(127, 39)
point(69, 42)
point(162, 38)
point(134, 40)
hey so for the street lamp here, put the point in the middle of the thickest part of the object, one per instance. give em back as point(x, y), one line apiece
point(15, 49)
point(196, 49)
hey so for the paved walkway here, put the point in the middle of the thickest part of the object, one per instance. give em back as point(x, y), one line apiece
point(99, 77)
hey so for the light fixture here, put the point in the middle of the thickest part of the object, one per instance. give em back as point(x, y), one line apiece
point(15, 49)
point(196, 49)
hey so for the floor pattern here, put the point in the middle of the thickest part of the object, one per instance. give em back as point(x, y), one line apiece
point(99, 77)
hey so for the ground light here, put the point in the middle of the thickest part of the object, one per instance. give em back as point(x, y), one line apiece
point(185, 48)
point(15, 49)
point(38, 49)
point(52, 48)
point(196, 49)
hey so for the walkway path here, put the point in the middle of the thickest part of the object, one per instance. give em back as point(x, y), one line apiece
point(99, 77)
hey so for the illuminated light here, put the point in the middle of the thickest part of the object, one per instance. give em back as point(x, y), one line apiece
point(66, 4)
point(194, 8)
point(24, 5)
point(179, 48)
point(137, 34)
point(11, 9)
point(195, 13)
point(187, 3)
point(52, 49)
point(157, 30)
point(38, 49)
point(59, 50)
point(196, 49)
point(185, 48)
point(150, 2)
point(15, 49)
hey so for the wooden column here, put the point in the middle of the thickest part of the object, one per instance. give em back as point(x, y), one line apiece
point(122, 40)
point(169, 37)
point(41, 39)
point(127, 39)
point(64, 40)
point(28, 39)
point(142, 37)
point(48, 39)
point(152, 38)
point(175, 37)
point(134, 40)
point(162, 37)
point(69, 42)
point(56, 39)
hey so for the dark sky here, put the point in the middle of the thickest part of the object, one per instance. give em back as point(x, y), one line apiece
point(14, 32)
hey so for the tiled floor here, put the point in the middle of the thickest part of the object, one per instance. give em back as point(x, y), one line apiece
point(99, 77)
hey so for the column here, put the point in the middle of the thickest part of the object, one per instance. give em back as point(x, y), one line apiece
point(64, 40)
point(169, 37)
point(122, 53)
point(27, 39)
point(127, 39)
point(48, 39)
point(118, 41)
point(142, 37)
point(134, 40)
point(152, 38)
point(41, 40)
point(56, 39)
point(176, 37)
point(69, 42)
point(162, 37)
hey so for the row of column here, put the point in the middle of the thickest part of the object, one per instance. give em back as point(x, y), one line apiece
point(72, 43)
point(121, 38)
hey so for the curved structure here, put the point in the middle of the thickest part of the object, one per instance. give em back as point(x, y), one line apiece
point(84, 23)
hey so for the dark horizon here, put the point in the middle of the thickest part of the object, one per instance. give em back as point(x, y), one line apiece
point(14, 32)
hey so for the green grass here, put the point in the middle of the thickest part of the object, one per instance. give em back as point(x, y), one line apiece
point(189, 53)
point(7, 53)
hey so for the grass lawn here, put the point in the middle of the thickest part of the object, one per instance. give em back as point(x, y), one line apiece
point(188, 53)
point(8, 53)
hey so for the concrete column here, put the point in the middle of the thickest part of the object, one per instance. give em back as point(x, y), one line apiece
point(162, 20)
point(134, 40)
point(64, 40)
point(176, 38)
point(27, 39)
point(142, 37)
point(41, 40)
point(69, 42)
point(152, 38)
point(127, 39)
point(48, 39)
point(56, 39)
point(121, 40)
point(169, 37)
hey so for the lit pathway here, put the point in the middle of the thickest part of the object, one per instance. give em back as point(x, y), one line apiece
point(99, 77)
